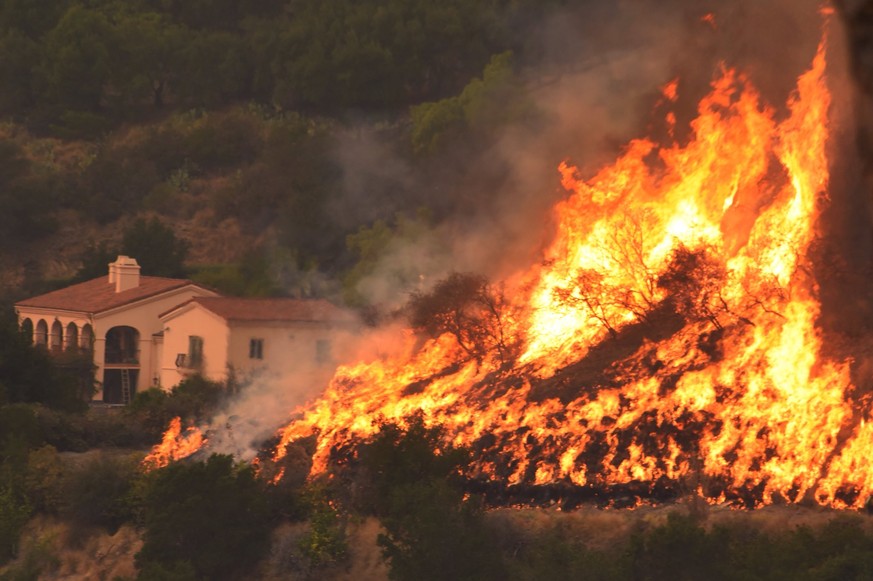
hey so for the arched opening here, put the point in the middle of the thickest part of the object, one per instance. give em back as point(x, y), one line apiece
point(122, 365)
point(71, 337)
point(86, 340)
point(56, 339)
point(122, 345)
point(41, 337)
point(27, 329)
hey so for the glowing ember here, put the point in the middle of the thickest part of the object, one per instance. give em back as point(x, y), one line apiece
point(683, 267)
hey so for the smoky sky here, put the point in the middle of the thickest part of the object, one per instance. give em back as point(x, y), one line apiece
point(592, 71)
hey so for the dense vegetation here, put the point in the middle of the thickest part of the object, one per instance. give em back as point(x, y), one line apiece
point(238, 108)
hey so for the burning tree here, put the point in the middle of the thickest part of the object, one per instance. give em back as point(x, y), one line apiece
point(466, 306)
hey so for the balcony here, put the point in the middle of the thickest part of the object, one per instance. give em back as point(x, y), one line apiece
point(185, 363)
point(122, 346)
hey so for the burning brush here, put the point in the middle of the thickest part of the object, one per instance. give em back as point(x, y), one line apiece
point(666, 344)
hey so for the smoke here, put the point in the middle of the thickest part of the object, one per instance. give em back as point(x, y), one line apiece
point(269, 399)
point(592, 73)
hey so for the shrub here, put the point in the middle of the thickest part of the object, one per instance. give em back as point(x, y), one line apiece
point(14, 514)
point(98, 492)
point(195, 399)
point(325, 543)
point(213, 514)
point(44, 479)
point(432, 529)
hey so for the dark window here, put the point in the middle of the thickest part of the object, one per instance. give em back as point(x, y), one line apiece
point(256, 348)
point(195, 351)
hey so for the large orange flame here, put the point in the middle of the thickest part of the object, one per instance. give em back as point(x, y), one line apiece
point(688, 262)
point(174, 445)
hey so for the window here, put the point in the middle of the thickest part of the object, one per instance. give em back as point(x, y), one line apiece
point(322, 351)
point(195, 351)
point(256, 348)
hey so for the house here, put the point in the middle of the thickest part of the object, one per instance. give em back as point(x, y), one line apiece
point(116, 318)
point(216, 335)
point(144, 331)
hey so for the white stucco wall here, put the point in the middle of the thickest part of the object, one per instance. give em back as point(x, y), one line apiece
point(287, 347)
point(197, 321)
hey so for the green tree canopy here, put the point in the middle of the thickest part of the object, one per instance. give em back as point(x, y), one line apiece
point(156, 248)
point(80, 58)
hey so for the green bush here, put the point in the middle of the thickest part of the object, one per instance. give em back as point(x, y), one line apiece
point(433, 530)
point(195, 399)
point(44, 479)
point(325, 544)
point(29, 375)
point(225, 140)
point(98, 492)
point(212, 514)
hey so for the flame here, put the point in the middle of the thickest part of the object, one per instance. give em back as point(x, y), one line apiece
point(683, 265)
point(174, 445)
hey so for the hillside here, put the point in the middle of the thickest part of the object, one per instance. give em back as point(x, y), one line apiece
point(614, 263)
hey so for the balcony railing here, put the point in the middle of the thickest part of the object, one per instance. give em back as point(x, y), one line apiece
point(122, 356)
point(185, 361)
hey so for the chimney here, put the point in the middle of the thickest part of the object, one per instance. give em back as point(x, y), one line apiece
point(124, 273)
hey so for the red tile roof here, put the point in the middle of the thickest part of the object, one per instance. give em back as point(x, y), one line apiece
point(275, 309)
point(98, 295)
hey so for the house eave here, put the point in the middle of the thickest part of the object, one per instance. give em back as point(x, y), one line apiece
point(149, 299)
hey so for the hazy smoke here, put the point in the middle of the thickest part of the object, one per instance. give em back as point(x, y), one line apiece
point(268, 400)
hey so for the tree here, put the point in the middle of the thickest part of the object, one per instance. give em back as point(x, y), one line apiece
point(693, 282)
point(213, 69)
point(155, 247)
point(433, 531)
point(33, 19)
point(485, 105)
point(29, 375)
point(628, 284)
point(591, 293)
point(381, 53)
point(18, 71)
point(14, 514)
point(80, 58)
point(98, 492)
point(95, 259)
point(372, 246)
point(325, 543)
point(469, 308)
point(150, 44)
point(23, 199)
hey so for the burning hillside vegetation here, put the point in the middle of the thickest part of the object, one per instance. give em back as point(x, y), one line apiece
point(667, 343)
